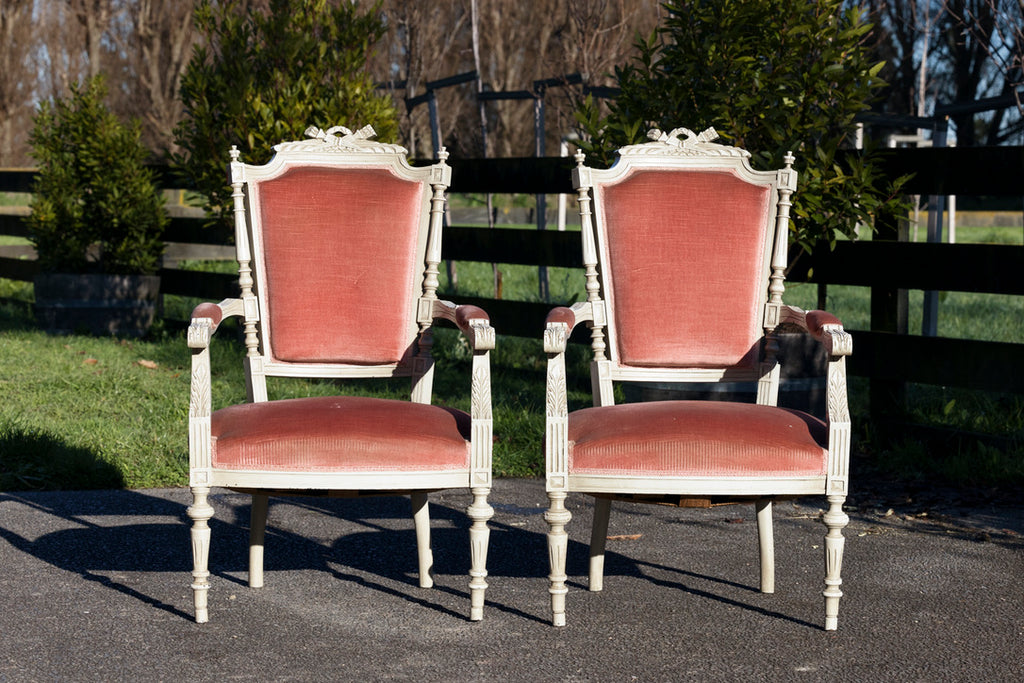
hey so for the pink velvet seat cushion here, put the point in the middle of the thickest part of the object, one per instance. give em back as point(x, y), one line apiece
point(696, 438)
point(340, 433)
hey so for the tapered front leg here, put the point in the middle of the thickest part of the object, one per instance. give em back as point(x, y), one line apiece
point(766, 544)
point(598, 541)
point(480, 512)
point(557, 517)
point(200, 512)
point(257, 534)
point(425, 556)
point(836, 520)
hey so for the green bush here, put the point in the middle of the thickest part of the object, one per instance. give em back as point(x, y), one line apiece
point(261, 79)
point(770, 76)
point(95, 207)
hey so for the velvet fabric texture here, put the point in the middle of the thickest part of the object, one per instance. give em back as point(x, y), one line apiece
point(340, 251)
point(340, 433)
point(688, 268)
point(697, 439)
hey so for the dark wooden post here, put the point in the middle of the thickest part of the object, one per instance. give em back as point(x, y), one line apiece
point(888, 314)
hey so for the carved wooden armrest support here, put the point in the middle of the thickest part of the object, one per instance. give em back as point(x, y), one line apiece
point(557, 329)
point(472, 321)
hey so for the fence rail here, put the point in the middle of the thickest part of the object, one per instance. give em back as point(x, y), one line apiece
point(884, 353)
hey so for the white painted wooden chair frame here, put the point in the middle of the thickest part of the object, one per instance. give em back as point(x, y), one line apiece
point(339, 147)
point(693, 152)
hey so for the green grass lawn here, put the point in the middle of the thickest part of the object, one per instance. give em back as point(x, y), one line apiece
point(84, 412)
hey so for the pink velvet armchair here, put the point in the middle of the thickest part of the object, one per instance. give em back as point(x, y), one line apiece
point(685, 248)
point(338, 241)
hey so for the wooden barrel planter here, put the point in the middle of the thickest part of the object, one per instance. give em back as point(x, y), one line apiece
point(93, 303)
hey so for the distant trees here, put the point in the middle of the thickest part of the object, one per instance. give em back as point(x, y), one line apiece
point(139, 46)
point(935, 51)
point(772, 76)
point(261, 77)
point(16, 79)
point(952, 51)
point(519, 42)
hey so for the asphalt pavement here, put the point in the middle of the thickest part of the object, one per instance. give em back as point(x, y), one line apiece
point(94, 586)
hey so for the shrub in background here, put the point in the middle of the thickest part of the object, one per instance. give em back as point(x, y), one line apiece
point(96, 208)
point(771, 76)
point(262, 78)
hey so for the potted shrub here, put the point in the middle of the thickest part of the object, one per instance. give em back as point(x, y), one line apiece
point(97, 218)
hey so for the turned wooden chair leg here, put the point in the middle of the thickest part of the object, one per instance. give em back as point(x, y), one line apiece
point(558, 543)
point(766, 544)
point(836, 520)
point(598, 541)
point(480, 512)
point(421, 521)
point(257, 534)
point(200, 512)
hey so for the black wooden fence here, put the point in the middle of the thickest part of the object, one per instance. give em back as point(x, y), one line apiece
point(884, 353)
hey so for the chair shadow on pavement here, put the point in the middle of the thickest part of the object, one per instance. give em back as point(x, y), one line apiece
point(369, 542)
point(103, 536)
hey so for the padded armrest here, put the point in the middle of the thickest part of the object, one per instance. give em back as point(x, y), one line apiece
point(562, 314)
point(472, 321)
point(464, 313)
point(816, 321)
point(823, 326)
point(555, 335)
point(209, 310)
point(199, 334)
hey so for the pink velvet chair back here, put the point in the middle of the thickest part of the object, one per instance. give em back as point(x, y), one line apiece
point(339, 256)
point(684, 244)
point(338, 241)
point(688, 273)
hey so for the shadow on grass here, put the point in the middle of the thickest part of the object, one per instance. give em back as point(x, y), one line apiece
point(35, 462)
point(16, 314)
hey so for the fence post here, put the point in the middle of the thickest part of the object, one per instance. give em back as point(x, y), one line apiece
point(889, 308)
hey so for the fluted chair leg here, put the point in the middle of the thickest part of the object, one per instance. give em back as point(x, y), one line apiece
point(836, 520)
point(200, 513)
point(766, 544)
point(598, 541)
point(421, 521)
point(558, 543)
point(480, 512)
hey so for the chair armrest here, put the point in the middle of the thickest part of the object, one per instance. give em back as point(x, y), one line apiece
point(475, 325)
point(828, 330)
point(823, 326)
point(558, 327)
point(207, 317)
point(205, 320)
point(561, 321)
point(472, 321)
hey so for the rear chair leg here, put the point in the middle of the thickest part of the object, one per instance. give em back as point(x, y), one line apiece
point(598, 541)
point(257, 533)
point(421, 520)
point(766, 544)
